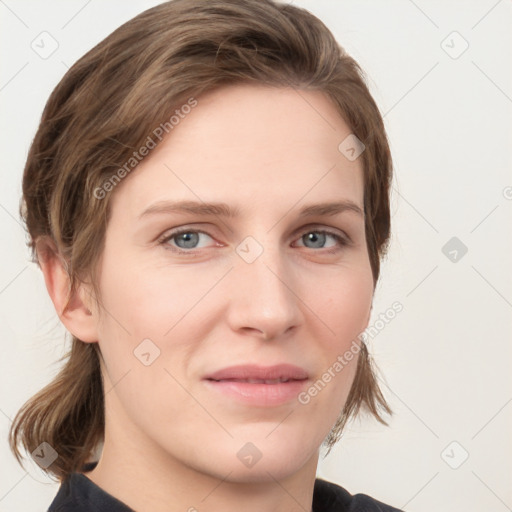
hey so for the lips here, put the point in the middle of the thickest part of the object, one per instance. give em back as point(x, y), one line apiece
point(257, 381)
point(253, 374)
point(261, 386)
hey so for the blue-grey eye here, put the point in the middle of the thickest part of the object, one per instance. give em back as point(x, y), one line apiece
point(317, 239)
point(189, 239)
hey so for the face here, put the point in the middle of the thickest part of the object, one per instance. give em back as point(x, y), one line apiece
point(276, 292)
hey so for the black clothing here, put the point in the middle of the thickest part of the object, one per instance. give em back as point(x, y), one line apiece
point(79, 494)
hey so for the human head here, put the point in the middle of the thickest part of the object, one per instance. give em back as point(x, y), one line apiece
point(105, 108)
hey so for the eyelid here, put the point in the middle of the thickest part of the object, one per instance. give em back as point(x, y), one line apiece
point(168, 235)
point(343, 238)
point(322, 227)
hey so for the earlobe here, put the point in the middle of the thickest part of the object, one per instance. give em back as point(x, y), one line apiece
point(75, 315)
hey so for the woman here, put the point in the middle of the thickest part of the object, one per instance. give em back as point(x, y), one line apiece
point(207, 197)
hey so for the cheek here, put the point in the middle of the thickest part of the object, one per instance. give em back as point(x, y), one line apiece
point(153, 314)
point(149, 300)
point(344, 307)
point(343, 304)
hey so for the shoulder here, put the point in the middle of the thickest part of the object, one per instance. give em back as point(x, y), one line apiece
point(79, 494)
point(329, 497)
point(66, 498)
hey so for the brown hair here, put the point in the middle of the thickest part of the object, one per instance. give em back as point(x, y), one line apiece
point(105, 107)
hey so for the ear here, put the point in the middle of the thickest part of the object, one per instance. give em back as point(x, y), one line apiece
point(76, 317)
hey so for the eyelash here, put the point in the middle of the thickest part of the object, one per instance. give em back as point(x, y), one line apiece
point(342, 242)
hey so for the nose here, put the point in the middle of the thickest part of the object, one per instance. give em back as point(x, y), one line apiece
point(264, 296)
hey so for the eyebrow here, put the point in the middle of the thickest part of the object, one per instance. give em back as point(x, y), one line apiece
point(224, 210)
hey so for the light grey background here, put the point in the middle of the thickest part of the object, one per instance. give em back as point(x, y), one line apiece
point(446, 357)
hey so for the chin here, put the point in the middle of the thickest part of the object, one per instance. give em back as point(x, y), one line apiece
point(260, 459)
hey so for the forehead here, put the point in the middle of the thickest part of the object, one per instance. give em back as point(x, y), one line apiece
point(249, 145)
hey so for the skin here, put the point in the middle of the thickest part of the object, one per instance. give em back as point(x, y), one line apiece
point(170, 442)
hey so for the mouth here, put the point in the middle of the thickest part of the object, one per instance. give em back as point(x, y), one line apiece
point(258, 381)
point(251, 372)
point(258, 385)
